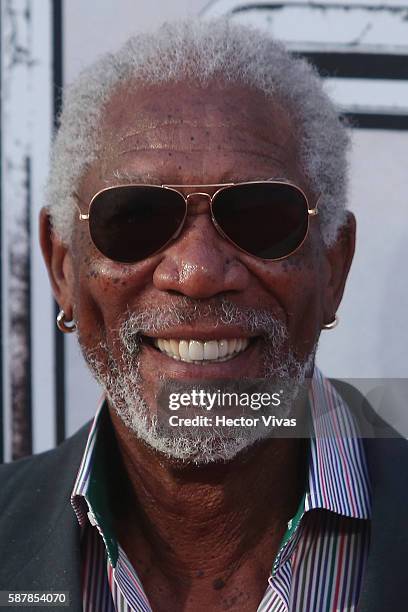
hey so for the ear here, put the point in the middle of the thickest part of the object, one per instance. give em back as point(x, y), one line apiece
point(59, 264)
point(339, 257)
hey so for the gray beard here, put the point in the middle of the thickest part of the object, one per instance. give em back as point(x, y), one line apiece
point(123, 383)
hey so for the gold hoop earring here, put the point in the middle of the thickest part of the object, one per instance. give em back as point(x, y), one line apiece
point(67, 327)
point(332, 324)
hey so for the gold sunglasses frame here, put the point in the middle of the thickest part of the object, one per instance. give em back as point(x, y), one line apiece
point(312, 212)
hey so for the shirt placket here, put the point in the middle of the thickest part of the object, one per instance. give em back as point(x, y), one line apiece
point(279, 582)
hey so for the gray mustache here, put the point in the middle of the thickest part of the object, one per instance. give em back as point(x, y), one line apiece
point(185, 311)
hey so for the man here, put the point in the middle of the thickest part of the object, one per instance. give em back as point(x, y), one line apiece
point(196, 230)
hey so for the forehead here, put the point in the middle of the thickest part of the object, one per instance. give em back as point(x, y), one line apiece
point(165, 128)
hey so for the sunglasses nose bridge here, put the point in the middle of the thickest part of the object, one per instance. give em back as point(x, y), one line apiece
point(198, 193)
point(197, 204)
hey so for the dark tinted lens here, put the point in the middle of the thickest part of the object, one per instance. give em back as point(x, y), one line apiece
point(266, 219)
point(128, 224)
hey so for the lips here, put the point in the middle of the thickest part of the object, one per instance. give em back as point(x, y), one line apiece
point(202, 352)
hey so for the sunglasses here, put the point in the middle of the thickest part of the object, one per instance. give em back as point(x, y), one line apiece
point(265, 219)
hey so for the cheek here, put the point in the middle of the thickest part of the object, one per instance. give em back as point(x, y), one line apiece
point(104, 290)
point(297, 284)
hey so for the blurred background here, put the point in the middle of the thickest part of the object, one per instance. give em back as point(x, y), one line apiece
point(361, 50)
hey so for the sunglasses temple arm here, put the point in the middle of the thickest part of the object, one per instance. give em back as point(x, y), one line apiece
point(314, 211)
point(81, 216)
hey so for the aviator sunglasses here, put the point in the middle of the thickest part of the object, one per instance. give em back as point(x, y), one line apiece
point(265, 219)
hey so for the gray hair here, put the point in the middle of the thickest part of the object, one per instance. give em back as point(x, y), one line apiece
point(201, 51)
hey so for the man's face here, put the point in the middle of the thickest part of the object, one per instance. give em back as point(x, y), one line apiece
point(200, 287)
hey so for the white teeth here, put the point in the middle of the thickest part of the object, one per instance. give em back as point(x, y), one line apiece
point(183, 350)
point(231, 345)
point(222, 348)
point(199, 352)
point(174, 348)
point(196, 350)
point(211, 349)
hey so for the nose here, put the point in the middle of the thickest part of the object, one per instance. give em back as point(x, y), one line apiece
point(200, 263)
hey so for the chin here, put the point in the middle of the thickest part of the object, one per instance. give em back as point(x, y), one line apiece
point(191, 447)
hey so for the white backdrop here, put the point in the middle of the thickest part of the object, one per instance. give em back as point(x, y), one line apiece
point(371, 339)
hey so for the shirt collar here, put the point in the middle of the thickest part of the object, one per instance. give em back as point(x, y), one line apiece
point(338, 474)
point(337, 480)
point(89, 497)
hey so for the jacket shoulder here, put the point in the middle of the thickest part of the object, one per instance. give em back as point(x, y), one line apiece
point(31, 471)
point(35, 502)
point(39, 543)
point(370, 423)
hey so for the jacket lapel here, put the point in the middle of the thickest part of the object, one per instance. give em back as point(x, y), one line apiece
point(385, 584)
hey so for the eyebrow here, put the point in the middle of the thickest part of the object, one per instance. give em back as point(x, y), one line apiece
point(149, 179)
point(131, 177)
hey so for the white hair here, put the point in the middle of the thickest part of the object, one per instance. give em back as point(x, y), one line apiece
point(201, 51)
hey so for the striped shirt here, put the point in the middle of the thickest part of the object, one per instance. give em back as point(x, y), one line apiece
point(321, 560)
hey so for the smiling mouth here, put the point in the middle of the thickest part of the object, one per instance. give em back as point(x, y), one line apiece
point(199, 352)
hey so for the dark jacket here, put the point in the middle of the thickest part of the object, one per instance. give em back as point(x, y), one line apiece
point(39, 533)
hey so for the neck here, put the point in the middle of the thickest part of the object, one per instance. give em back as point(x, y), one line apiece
point(195, 519)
